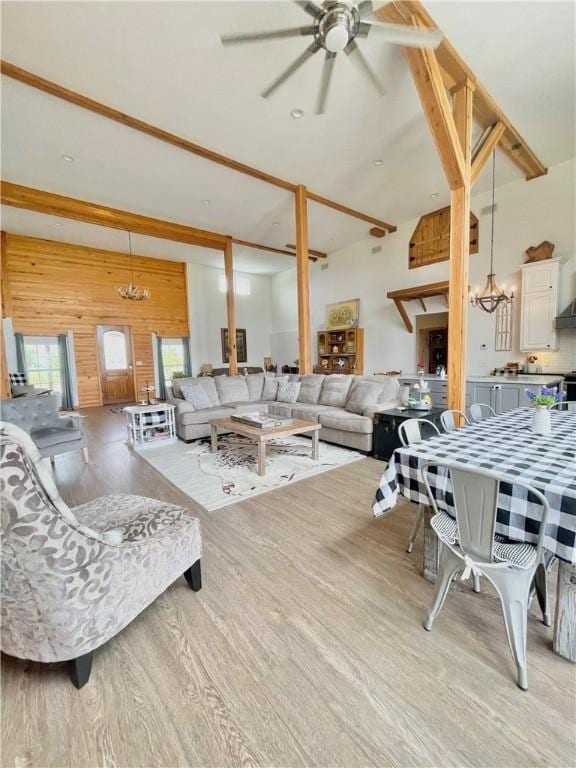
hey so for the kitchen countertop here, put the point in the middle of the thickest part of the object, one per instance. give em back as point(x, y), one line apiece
point(520, 379)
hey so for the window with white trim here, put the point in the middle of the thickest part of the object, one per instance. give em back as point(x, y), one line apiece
point(43, 366)
point(241, 284)
point(172, 358)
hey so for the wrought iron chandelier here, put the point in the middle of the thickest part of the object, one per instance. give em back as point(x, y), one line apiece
point(131, 291)
point(491, 296)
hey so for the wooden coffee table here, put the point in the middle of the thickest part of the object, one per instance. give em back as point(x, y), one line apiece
point(261, 436)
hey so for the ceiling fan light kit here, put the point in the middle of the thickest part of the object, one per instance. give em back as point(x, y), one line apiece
point(337, 27)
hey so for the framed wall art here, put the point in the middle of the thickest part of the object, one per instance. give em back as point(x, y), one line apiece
point(342, 314)
point(241, 349)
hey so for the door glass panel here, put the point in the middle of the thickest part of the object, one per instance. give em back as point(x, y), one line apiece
point(115, 358)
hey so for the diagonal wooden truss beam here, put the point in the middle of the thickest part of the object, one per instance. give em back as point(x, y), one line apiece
point(432, 92)
point(454, 70)
point(485, 150)
point(60, 92)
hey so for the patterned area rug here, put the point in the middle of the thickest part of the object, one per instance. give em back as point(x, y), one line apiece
point(217, 480)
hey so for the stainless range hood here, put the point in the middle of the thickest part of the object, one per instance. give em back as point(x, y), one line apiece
point(567, 319)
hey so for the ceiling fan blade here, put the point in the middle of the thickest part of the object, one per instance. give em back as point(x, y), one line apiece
point(412, 37)
point(309, 7)
point(302, 59)
point(327, 72)
point(365, 8)
point(353, 51)
point(275, 34)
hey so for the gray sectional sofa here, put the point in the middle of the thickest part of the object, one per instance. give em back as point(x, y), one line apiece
point(343, 405)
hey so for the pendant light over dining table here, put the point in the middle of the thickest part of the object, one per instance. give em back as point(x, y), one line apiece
point(132, 291)
point(491, 296)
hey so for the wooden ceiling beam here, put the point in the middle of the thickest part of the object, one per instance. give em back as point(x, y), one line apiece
point(454, 70)
point(318, 254)
point(60, 92)
point(484, 151)
point(271, 249)
point(53, 204)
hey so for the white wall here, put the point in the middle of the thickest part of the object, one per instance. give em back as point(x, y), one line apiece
point(207, 314)
point(284, 337)
point(528, 212)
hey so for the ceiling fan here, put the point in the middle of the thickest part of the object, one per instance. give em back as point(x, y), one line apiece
point(336, 26)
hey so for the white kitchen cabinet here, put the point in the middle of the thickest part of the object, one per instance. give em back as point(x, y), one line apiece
point(539, 306)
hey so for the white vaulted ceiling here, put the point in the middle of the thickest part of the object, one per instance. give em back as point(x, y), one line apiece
point(164, 63)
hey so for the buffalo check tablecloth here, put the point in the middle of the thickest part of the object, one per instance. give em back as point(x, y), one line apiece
point(506, 445)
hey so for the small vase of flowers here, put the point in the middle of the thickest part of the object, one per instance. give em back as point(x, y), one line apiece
point(542, 400)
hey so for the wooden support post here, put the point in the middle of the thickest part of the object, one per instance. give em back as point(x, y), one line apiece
point(230, 308)
point(302, 280)
point(459, 253)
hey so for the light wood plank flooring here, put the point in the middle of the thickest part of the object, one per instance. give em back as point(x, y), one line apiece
point(304, 648)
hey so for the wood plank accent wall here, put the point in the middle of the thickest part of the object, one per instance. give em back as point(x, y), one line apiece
point(4, 302)
point(56, 287)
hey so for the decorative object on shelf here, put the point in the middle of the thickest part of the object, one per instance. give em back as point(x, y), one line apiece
point(491, 296)
point(430, 241)
point(131, 291)
point(503, 331)
point(343, 314)
point(531, 366)
point(341, 351)
point(421, 368)
point(146, 400)
point(542, 400)
point(419, 398)
point(539, 252)
point(241, 348)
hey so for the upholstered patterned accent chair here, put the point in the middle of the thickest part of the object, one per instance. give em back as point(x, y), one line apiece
point(72, 578)
point(39, 416)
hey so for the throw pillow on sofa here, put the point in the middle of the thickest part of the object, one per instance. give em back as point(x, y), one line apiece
point(363, 394)
point(310, 387)
point(196, 396)
point(271, 386)
point(335, 390)
point(232, 389)
point(288, 391)
point(255, 384)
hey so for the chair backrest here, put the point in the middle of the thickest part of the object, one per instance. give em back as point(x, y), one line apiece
point(448, 419)
point(35, 411)
point(49, 556)
point(475, 498)
point(481, 411)
point(410, 431)
point(564, 405)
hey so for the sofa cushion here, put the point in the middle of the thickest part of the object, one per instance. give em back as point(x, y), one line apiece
point(362, 395)
point(345, 421)
point(390, 389)
point(308, 412)
point(205, 382)
point(270, 389)
point(310, 387)
point(204, 416)
point(196, 396)
point(280, 409)
point(232, 389)
point(335, 390)
point(249, 407)
point(47, 436)
point(255, 383)
point(288, 391)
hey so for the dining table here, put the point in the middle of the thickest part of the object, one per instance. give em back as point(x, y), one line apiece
point(507, 445)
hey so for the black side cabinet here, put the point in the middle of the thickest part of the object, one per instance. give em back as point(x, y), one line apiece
point(386, 425)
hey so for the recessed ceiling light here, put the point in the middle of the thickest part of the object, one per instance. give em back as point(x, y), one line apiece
point(378, 162)
point(68, 158)
point(331, 240)
point(434, 194)
point(205, 202)
point(275, 223)
point(297, 114)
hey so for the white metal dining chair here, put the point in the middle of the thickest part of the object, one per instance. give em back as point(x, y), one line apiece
point(410, 433)
point(449, 422)
point(481, 411)
point(564, 405)
point(469, 544)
